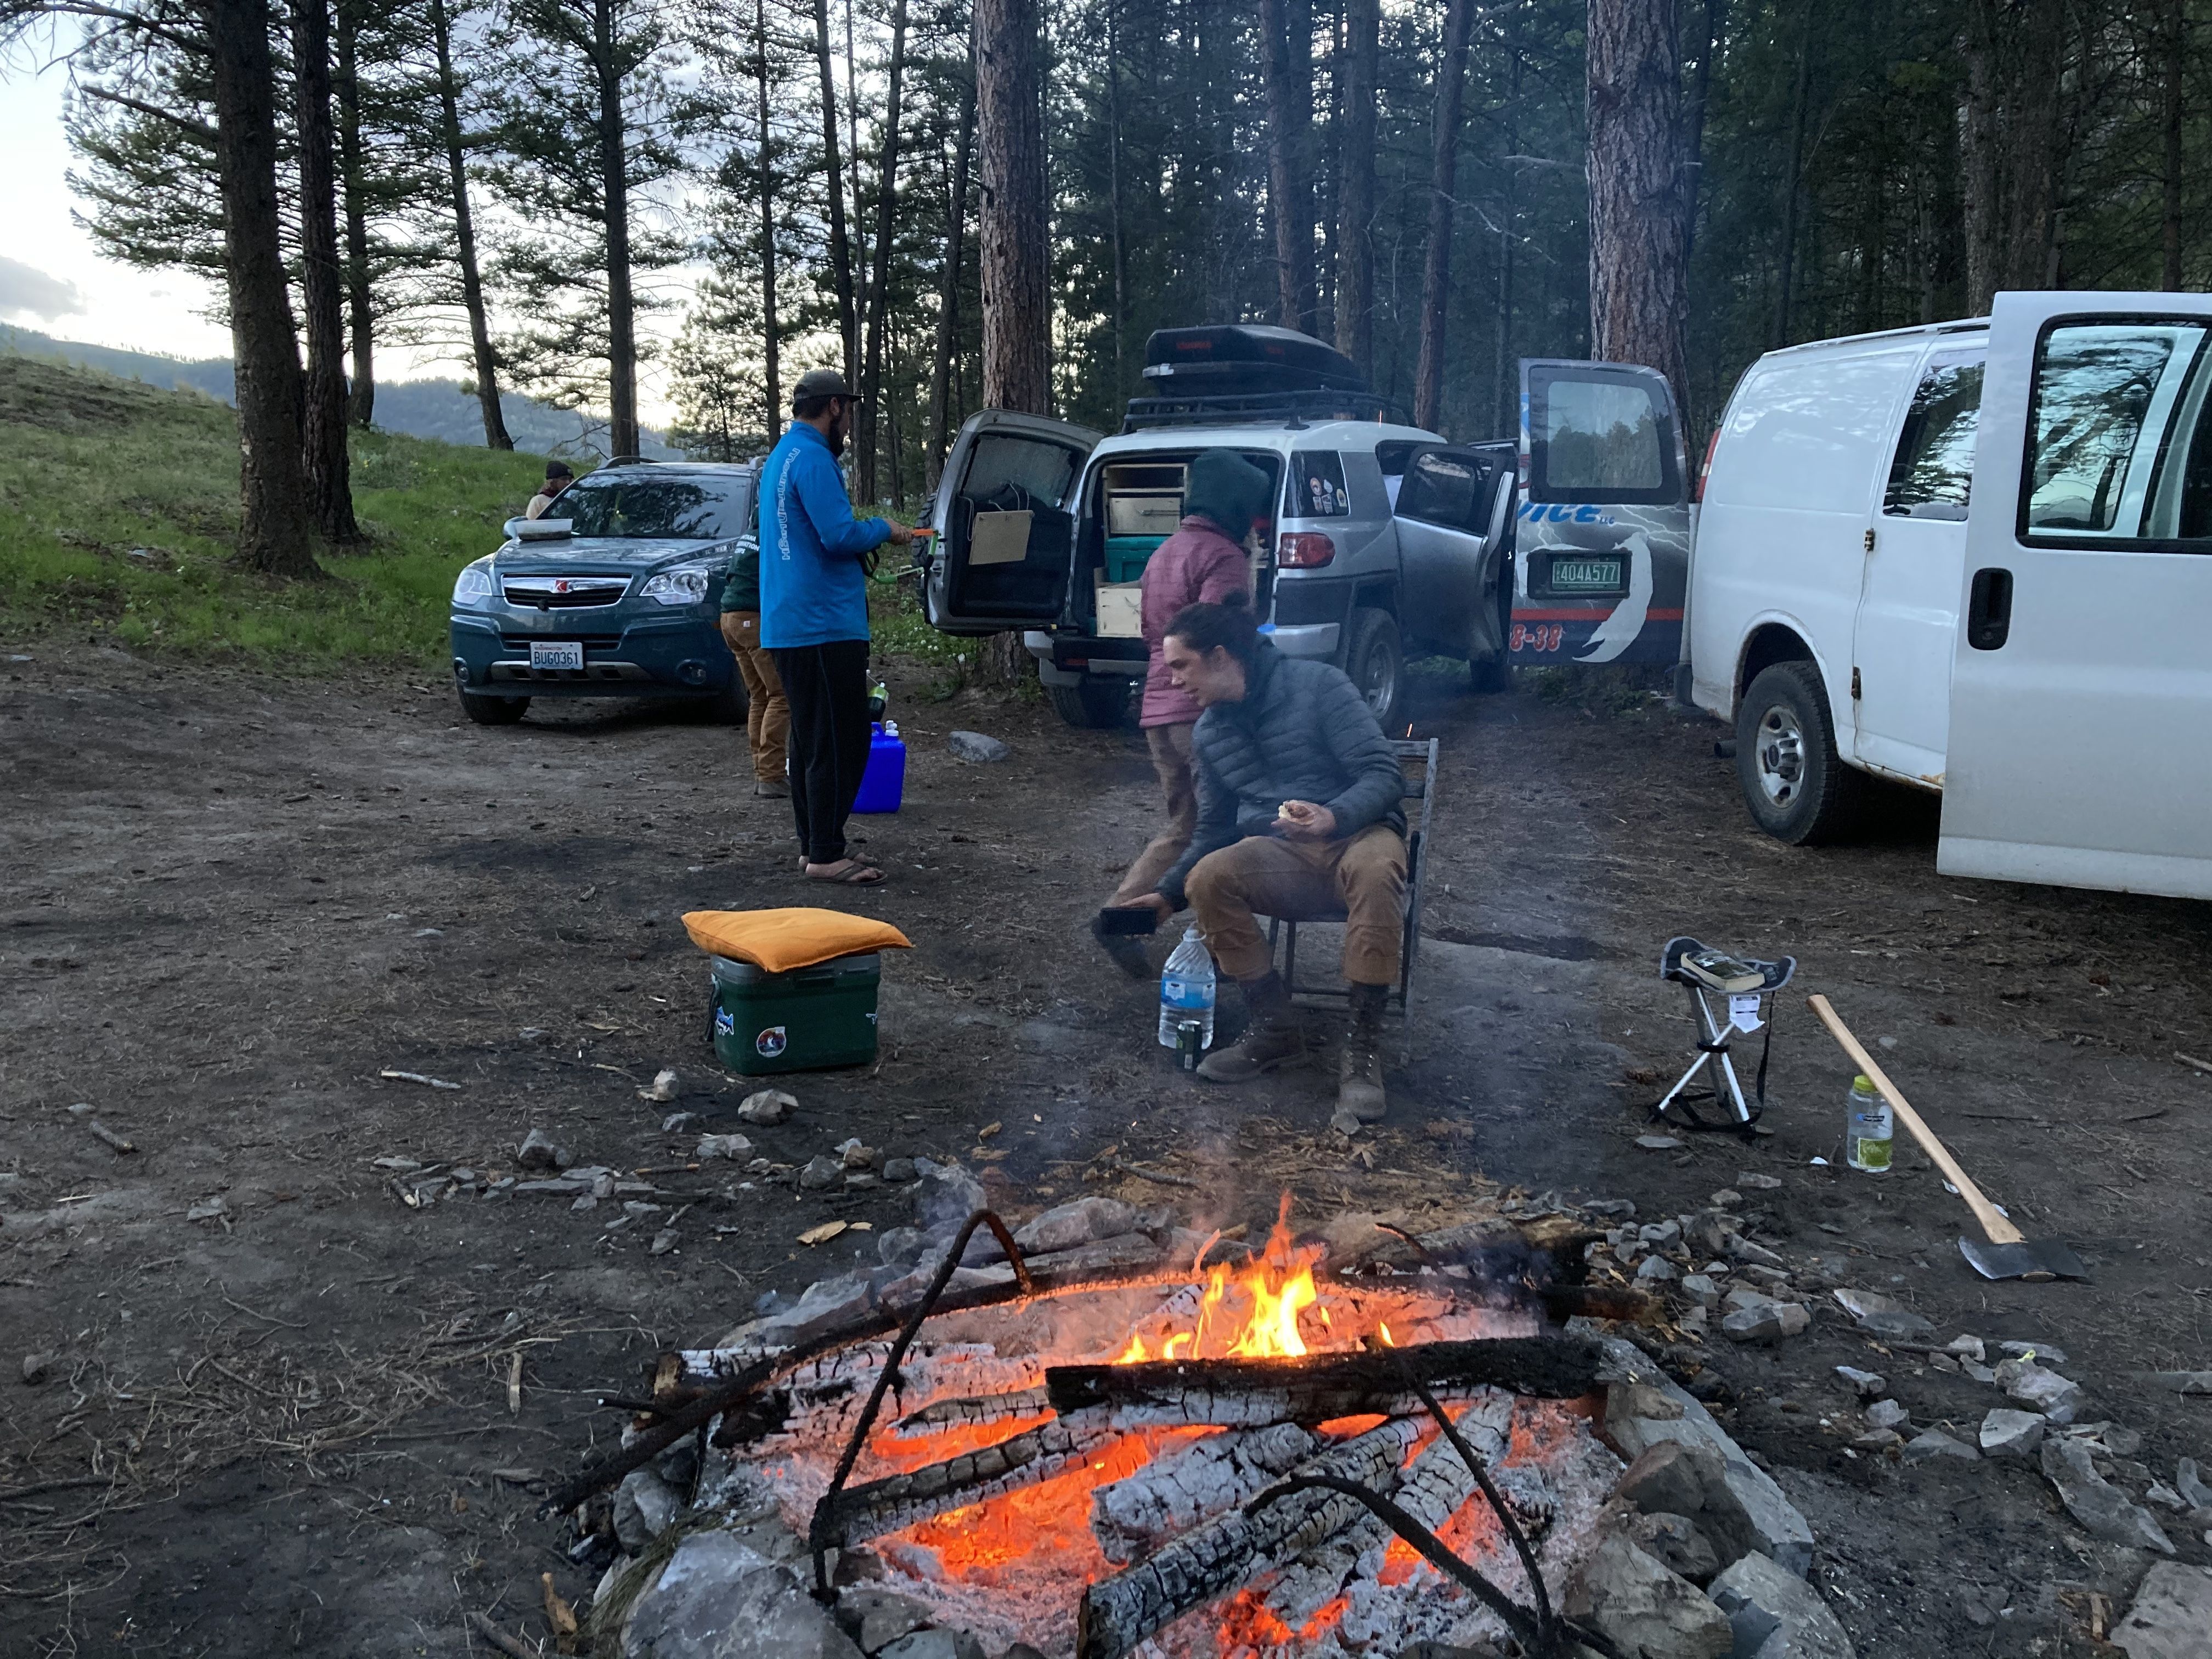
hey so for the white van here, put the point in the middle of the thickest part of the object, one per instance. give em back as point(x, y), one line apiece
point(2045, 474)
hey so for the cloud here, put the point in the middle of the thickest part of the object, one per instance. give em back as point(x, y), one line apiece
point(27, 293)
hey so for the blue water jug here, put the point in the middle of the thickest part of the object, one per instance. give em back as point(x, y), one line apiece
point(883, 784)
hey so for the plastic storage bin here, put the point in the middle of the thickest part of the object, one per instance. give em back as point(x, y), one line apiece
point(806, 1020)
point(882, 785)
point(1128, 556)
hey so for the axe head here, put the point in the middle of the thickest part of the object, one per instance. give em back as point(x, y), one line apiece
point(2031, 1259)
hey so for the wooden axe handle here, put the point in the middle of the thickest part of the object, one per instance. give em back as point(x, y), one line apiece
point(1995, 1227)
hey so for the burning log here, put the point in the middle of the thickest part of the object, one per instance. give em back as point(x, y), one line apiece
point(857, 1513)
point(1246, 1393)
point(1187, 1483)
point(973, 1411)
point(1210, 1560)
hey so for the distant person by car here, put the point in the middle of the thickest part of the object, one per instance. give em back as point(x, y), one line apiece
point(558, 477)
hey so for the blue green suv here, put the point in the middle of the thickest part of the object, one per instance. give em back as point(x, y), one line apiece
point(615, 592)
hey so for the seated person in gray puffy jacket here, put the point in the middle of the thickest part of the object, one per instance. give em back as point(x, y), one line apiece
point(1298, 815)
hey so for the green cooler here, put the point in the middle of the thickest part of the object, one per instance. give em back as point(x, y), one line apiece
point(806, 1020)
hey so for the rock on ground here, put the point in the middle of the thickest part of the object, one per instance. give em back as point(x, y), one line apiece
point(717, 1598)
point(1647, 1611)
point(644, 1506)
point(1078, 1222)
point(2008, 1433)
point(945, 1196)
point(2039, 1389)
point(2102, 1508)
point(1934, 1443)
point(767, 1106)
point(974, 746)
point(1678, 1544)
point(934, 1644)
point(1640, 1416)
point(1690, 1482)
point(1776, 1615)
point(2172, 1613)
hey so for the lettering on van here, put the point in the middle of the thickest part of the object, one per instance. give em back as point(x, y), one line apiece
point(1538, 513)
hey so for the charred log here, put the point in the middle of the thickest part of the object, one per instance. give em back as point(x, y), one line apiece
point(1120, 1612)
point(973, 1411)
point(857, 1513)
point(1313, 1390)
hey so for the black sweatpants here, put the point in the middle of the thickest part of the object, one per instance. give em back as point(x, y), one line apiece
point(827, 687)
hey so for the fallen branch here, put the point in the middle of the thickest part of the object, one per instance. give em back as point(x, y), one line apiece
point(498, 1639)
point(416, 1077)
point(1144, 1174)
point(102, 1132)
point(2191, 1060)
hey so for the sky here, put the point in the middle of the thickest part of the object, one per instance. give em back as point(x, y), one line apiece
point(53, 279)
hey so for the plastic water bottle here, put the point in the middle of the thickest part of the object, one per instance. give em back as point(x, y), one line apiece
point(1186, 986)
point(1868, 1127)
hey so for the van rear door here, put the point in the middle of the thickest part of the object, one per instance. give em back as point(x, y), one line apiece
point(1004, 523)
point(2080, 682)
point(1603, 536)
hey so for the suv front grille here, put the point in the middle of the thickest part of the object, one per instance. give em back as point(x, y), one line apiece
point(564, 593)
point(590, 641)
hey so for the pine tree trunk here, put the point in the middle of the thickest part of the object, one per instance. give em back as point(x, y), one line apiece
point(772, 343)
point(841, 249)
point(1435, 281)
point(948, 293)
point(1793, 181)
point(361, 404)
point(614, 185)
point(322, 279)
point(1978, 158)
point(2173, 48)
point(277, 534)
point(1010, 147)
point(1114, 191)
point(464, 233)
point(1638, 219)
point(1287, 72)
point(1355, 186)
point(871, 386)
point(1013, 235)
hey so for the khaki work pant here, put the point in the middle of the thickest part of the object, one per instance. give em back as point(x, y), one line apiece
point(767, 716)
point(1170, 747)
point(1301, 881)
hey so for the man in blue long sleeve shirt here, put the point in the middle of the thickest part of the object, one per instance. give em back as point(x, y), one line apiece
point(814, 617)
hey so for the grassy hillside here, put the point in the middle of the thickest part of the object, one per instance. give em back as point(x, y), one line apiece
point(118, 512)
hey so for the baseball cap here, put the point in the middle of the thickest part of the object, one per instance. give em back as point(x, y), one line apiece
point(821, 383)
point(558, 470)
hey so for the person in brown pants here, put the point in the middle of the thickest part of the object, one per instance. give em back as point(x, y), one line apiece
point(1298, 816)
point(1204, 561)
point(767, 716)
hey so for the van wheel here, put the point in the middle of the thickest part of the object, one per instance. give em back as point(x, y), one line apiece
point(1796, 786)
point(1095, 705)
point(493, 711)
point(1377, 665)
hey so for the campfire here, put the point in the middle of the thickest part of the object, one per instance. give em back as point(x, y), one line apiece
point(1219, 1458)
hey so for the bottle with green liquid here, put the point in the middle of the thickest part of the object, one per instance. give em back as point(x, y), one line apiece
point(1868, 1127)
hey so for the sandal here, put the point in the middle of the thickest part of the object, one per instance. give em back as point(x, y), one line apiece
point(854, 874)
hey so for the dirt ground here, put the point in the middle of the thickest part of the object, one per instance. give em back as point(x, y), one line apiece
point(282, 1422)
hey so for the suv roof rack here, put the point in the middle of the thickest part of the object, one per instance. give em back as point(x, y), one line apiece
point(1293, 409)
point(629, 460)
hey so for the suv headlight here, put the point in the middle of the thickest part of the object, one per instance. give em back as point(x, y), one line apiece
point(685, 586)
point(473, 585)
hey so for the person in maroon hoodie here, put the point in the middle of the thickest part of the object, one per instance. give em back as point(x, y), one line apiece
point(1203, 562)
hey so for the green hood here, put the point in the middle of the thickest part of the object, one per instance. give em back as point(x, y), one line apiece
point(1227, 488)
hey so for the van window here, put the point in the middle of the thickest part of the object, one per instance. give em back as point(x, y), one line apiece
point(1011, 472)
point(1600, 435)
point(2120, 449)
point(1934, 465)
point(1317, 486)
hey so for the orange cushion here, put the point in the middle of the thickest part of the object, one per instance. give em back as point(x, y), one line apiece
point(778, 941)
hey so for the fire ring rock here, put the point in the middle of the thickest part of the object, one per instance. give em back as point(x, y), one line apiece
point(719, 1599)
point(1776, 1615)
point(1647, 1610)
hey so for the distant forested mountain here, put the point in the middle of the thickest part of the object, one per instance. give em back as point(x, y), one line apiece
point(445, 409)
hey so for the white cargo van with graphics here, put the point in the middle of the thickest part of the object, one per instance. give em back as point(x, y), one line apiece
point(1976, 558)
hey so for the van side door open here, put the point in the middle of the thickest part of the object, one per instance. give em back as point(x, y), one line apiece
point(1915, 546)
point(2082, 679)
point(1005, 518)
point(1602, 539)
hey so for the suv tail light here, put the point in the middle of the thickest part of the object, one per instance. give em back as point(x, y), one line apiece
point(1705, 471)
point(1303, 549)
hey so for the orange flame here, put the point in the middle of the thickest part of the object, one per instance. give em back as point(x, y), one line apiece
point(1247, 1312)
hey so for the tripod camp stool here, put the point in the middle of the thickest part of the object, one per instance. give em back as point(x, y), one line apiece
point(1720, 1017)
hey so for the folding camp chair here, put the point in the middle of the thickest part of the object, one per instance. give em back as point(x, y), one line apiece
point(1747, 1011)
point(1417, 756)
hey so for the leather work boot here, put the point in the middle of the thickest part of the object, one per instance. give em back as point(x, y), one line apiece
point(1359, 1078)
point(1273, 1039)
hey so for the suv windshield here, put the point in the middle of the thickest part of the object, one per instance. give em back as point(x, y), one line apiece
point(636, 505)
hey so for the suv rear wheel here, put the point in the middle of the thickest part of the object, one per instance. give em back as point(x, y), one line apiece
point(493, 711)
point(1098, 704)
point(1796, 786)
point(1377, 665)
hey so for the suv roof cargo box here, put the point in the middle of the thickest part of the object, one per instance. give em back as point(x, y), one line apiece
point(1243, 358)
